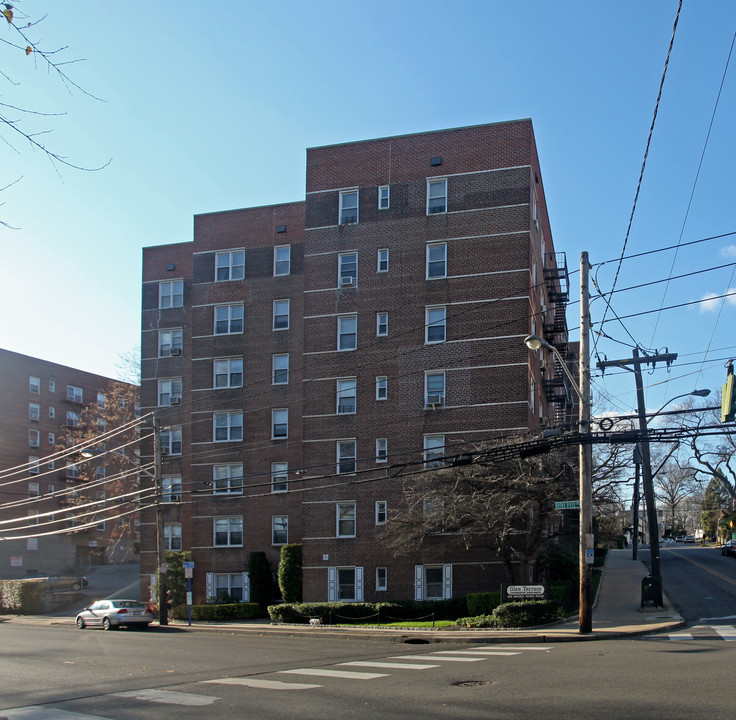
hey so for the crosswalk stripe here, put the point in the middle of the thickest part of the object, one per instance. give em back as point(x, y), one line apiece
point(394, 666)
point(519, 647)
point(480, 652)
point(321, 672)
point(267, 684)
point(437, 657)
point(681, 636)
point(45, 713)
point(727, 632)
point(169, 697)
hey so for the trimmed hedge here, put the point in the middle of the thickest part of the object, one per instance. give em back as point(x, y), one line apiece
point(518, 614)
point(229, 611)
point(345, 612)
point(482, 603)
point(24, 596)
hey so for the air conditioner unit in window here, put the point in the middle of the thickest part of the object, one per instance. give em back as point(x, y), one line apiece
point(349, 220)
point(176, 400)
point(174, 498)
point(175, 352)
point(347, 281)
point(435, 400)
point(164, 450)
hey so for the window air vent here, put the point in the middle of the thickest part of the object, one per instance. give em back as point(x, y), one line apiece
point(436, 160)
point(175, 352)
point(281, 228)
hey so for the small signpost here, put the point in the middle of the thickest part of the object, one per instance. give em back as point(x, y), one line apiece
point(188, 573)
point(568, 505)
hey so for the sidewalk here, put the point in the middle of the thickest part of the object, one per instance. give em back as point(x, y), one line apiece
point(617, 613)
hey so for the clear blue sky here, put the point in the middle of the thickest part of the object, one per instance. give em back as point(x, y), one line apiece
point(210, 107)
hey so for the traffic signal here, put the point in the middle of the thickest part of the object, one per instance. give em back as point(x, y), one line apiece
point(728, 410)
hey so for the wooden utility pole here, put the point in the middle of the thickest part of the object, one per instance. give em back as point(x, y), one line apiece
point(585, 455)
point(163, 609)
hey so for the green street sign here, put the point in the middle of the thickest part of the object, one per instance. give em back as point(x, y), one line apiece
point(568, 505)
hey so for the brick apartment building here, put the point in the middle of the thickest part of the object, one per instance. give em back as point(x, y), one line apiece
point(43, 491)
point(298, 354)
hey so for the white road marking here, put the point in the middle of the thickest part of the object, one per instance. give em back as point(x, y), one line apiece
point(36, 712)
point(479, 652)
point(437, 657)
point(389, 665)
point(268, 684)
point(519, 647)
point(321, 672)
point(727, 632)
point(680, 636)
point(169, 697)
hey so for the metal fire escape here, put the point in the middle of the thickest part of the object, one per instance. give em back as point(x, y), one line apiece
point(556, 385)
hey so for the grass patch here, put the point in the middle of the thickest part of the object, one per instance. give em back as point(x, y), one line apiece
point(414, 624)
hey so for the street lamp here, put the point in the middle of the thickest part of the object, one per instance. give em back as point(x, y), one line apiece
point(535, 343)
point(696, 393)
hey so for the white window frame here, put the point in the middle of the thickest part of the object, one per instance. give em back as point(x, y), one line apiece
point(382, 387)
point(442, 584)
point(231, 423)
point(279, 477)
point(279, 304)
point(348, 214)
point(381, 324)
point(436, 268)
point(227, 372)
point(384, 194)
point(227, 479)
point(435, 323)
point(381, 450)
point(347, 388)
point(381, 512)
point(237, 581)
point(349, 259)
point(346, 458)
point(234, 526)
point(168, 389)
point(73, 419)
point(382, 260)
point(171, 488)
point(434, 447)
point(233, 265)
point(381, 579)
point(169, 340)
point(34, 488)
point(283, 521)
point(170, 440)
point(442, 392)
point(280, 369)
point(343, 596)
point(341, 334)
point(345, 515)
point(52, 439)
point(101, 400)
point(75, 394)
point(52, 412)
point(170, 294)
point(434, 208)
point(230, 320)
point(52, 385)
point(34, 467)
point(34, 411)
point(279, 419)
point(281, 260)
point(34, 384)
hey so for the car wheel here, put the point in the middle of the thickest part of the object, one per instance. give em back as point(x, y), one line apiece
point(80, 623)
point(106, 624)
point(77, 586)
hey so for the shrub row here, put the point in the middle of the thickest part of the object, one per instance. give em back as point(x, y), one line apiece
point(518, 614)
point(482, 603)
point(229, 611)
point(344, 612)
point(22, 596)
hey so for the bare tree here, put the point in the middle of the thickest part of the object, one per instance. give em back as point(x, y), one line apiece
point(672, 486)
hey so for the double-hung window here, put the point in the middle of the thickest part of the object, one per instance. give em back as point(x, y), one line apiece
point(72, 420)
point(346, 519)
point(171, 294)
point(227, 426)
point(381, 324)
point(171, 441)
point(169, 342)
point(101, 400)
point(228, 372)
point(171, 486)
point(381, 449)
point(34, 467)
point(434, 389)
point(172, 536)
point(382, 262)
point(347, 269)
point(282, 260)
point(279, 529)
point(229, 585)
point(346, 456)
point(227, 479)
point(434, 448)
point(228, 319)
point(347, 332)
point(52, 438)
point(228, 531)
point(279, 424)
point(348, 207)
point(279, 477)
point(384, 197)
point(72, 471)
point(230, 265)
point(280, 369)
point(34, 384)
point(34, 411)
point(74, 394)
point(169, 391)
point(436, 261)
point(381, 387)
point(381, 578)
point(435, 319)
point(381, 511)
point(436, 196)
point(346, 584)
point(346, 391)
point(280, 314)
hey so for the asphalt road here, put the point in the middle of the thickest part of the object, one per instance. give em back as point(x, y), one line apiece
point(127, 675)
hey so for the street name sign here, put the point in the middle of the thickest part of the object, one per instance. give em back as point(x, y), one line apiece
point(568, 505)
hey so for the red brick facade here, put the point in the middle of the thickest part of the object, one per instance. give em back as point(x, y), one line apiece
point(448, 228)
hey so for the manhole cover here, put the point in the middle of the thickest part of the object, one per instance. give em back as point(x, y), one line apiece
point(471, 683)
point(415, 641)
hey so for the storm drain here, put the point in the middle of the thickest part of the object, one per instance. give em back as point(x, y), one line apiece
point(415, 641)
point(472, 683)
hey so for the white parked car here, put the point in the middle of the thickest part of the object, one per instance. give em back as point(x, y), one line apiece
point(109, 614)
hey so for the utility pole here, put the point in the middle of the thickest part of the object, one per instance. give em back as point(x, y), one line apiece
point(635, 505)
point(585, 456)
point(163, 609)
point(646, 464)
